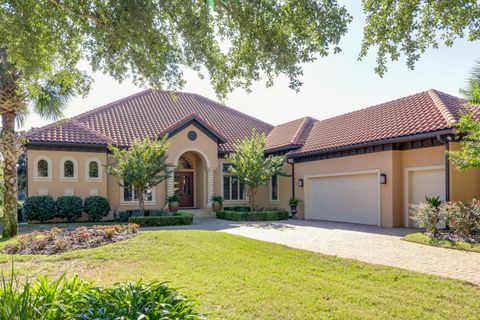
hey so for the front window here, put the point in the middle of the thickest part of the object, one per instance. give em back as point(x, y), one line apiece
point(93, 169)
point(232, 188)
point(42, 168)
point(68, 169)
point(274, 188)
point(129, 194)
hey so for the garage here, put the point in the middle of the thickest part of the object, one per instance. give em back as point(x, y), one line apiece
point(344, 197)
point(421, 183)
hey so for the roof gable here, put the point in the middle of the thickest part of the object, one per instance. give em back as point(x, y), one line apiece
point(290, 135)
point(199, 123)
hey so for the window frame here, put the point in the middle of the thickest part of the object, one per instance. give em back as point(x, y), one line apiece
point(36, 177)
point(271, 189)
point(75, 169)
point(135, 201)
point(222, 175)
point(87, 170)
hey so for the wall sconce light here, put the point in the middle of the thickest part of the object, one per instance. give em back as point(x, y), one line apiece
point(300, 183)
point(383, 178)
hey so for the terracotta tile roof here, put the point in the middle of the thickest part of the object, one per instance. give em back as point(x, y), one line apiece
point(290, 135)
point(423, 112)
point(67, 131)
point(151, 113)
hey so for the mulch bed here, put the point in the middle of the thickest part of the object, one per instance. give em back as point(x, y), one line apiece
point(447, 235)
point(58, 240)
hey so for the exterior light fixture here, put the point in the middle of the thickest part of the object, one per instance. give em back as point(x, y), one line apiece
point(383, 178)
point(300, 183)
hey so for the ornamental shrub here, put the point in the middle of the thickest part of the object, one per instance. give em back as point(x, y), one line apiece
point(70, 207)
point(427, 215)
point(463, 219)
point(39, 208)
point(181, 218)
point(253, 216)
point(96, 207)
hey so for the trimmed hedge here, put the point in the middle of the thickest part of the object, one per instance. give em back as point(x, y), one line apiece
point(253, 216)
point(123, 216)
point(96, 207)
point(40, 208)
point(70, 207)
point(180, 218)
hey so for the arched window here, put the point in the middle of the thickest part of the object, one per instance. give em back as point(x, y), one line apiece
point(42, 168)
point(68, 169)
point(93, 169)
point(184, 163)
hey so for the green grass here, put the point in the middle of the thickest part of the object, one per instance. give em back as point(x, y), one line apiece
point(233, 277)
point(423, 238)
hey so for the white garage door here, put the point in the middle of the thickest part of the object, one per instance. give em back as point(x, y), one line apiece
point(425, 183)
point(351, 198)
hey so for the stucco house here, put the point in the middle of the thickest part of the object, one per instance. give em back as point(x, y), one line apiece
point(366, 166)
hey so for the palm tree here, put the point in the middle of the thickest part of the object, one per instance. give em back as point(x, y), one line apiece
point(472, 91)
point(49, 101)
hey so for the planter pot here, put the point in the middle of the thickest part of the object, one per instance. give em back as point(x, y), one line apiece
point(217, 206)
point(293, 210)
point(173, 206)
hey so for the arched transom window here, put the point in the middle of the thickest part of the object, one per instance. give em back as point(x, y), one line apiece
point(68, 169)
point(42, 168)
point(184, 163)
point(93, 169)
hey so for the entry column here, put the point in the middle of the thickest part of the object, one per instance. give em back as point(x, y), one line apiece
point(210, 182)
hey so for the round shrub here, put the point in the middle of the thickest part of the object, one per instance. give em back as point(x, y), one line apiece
point(70, 207)
point(96, 207)
point(39, 208)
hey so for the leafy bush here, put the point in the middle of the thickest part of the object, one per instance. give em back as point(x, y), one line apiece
point(217, 198)
point(180, 218)
point(39, 208)
point(96, 207)
point(78, 299)
point(237, 209)
point(70, 207)
point(427, 215)
point(463, 219)
point(253, 216)
point(123, 216)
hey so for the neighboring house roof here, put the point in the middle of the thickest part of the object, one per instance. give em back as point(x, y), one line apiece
point(424, 112)
point(152, 113)
point(290, 135)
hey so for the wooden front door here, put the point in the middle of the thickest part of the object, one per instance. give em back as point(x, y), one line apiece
point(184, 188)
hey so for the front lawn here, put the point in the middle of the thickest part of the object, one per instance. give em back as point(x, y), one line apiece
point(423, 238)
point(233, 277)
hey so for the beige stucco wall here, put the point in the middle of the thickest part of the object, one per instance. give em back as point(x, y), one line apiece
point(464, 185)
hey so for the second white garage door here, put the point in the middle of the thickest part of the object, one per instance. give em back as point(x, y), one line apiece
point(351, 198)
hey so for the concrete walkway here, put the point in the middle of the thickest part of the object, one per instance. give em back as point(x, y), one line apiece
point(365, 243)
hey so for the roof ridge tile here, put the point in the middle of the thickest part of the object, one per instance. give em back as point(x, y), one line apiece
point(444, 110)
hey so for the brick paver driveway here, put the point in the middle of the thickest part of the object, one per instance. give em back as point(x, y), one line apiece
point(366, 243)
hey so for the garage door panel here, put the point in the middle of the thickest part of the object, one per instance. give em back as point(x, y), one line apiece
point(347, 198)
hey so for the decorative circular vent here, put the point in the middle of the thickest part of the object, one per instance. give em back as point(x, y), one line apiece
point(192, 135)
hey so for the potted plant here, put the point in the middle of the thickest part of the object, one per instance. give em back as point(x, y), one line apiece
point(217, 202)
point(293, 202)
point(173, 203)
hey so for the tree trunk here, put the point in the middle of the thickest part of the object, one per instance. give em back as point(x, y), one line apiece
point(252, 191)
point(141, 202)
point(10, 156)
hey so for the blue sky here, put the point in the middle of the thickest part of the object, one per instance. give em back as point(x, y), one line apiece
point(331, 86)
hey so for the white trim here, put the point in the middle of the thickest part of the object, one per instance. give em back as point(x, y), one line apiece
point(123, 202)
point(75, 170)
point(406, 184)
point(270, 190)
point(244, 200)
point(87, 170)
point(345, 173)
point(35, 169)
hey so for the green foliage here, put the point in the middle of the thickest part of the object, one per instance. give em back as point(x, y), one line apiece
point(123, 216)
point(39, 208)
point(180, 218)
point(427, 216)
point(294, 201)
point(70, 207)
point(78, 299)
point(237, 208)
point(468, 156)
point(253, 216)
point(410, 27)
point(434, 201)
point(96, 207)
point(173, 198)
point(463, 219)
point(251, 167)
point(421, 237)
point(217, 198)
point(143, 165)
point(472, 91)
